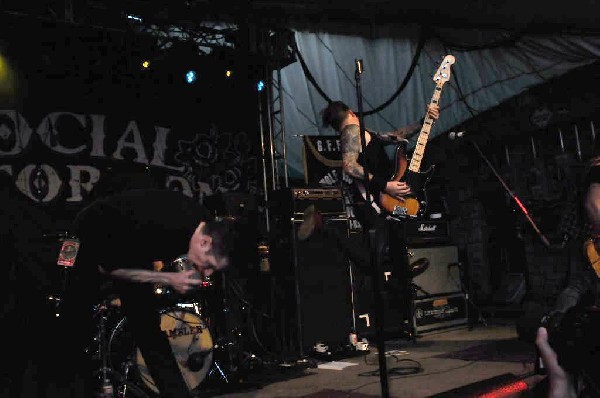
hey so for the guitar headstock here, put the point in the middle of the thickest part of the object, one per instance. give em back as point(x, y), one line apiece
point(442, 75)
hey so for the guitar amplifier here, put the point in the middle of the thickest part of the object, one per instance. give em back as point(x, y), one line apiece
point(328, 201)
point(426, 231)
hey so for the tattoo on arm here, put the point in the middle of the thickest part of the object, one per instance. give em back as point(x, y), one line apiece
point(351, 148)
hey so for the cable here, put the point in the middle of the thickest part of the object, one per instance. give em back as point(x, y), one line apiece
point(309, 76)
point(511, 39)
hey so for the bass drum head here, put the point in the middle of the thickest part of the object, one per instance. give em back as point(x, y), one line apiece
point(192, 346)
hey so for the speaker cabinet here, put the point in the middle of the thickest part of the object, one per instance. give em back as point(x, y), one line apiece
point(443, 274)
point(322, 289)
point(394, 294)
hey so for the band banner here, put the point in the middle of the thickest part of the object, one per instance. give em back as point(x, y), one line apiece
point(322, 164)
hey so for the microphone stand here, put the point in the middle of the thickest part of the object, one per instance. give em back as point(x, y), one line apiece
point(375, 255)
point(513, 196)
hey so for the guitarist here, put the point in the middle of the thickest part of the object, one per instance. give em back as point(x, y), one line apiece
point(342, 119)
point(388, 233)
point(581, 295)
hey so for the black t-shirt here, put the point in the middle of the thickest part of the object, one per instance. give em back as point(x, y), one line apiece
point(133, 228)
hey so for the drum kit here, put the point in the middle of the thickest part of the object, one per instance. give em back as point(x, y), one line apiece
point(122, 371)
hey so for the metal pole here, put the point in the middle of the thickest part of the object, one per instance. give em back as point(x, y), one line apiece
point(264, 161)
point(282, 124)
point(269, 79)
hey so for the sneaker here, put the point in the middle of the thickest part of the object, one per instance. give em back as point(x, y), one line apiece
point(312, 220)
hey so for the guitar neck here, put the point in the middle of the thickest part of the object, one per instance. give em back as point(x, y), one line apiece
point(419, 151)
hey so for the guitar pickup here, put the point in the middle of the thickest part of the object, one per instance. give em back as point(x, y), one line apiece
point(400, 211)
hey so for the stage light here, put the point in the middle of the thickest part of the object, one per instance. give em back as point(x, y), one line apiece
point(260, 85)
point(145, 64)
point(134, 17)
point(228, 73)
point(190, 76)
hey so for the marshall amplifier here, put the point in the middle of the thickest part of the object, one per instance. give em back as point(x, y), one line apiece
point(426, 231)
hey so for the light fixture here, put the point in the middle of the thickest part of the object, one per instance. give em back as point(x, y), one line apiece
point(146, 64)
point(190, 76)
point(228, 73)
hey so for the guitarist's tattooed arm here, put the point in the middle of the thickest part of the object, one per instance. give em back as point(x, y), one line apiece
point(351, 148)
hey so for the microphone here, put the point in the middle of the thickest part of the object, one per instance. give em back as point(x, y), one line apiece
point(456, 134)
point(359, 66)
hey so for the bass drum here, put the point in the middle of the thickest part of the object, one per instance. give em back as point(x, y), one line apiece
point(190, 340)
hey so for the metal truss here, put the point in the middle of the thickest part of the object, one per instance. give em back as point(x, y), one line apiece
point(272, 137)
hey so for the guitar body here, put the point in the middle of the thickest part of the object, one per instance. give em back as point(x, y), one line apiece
point(414, 205)
point(592, 255)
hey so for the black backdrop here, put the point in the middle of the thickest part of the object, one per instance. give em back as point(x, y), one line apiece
point(78, 117)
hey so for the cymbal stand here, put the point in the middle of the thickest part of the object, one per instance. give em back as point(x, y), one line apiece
point(108, 376)
point(106, 388)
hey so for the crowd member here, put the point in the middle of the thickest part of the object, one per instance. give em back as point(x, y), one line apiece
point(580, 293)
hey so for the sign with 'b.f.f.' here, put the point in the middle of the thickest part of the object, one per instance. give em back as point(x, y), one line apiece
point(322, 161)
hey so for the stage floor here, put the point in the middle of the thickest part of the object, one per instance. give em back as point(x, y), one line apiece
point(434, 364)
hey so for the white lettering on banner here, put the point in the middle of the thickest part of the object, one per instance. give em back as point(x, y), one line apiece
point(76, 181)
point(178, 183)
point(160, 147)
point(137, 144)
point(20, 132)
point(98, 136)
point(50, 136)
point(209, 162)
point(330, 179)
point(204, 189)
point(328, 145)
point(39, 182)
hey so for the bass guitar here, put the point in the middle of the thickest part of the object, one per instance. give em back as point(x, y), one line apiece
point(592, 255)
point(415, 204)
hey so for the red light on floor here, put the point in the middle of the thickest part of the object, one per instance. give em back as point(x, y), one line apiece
point(506, 390)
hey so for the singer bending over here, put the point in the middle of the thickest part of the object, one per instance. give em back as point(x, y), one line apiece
point(122, 236)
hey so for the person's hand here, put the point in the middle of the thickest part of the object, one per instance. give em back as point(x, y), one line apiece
point(560, 383)
point(184, 281)
point(433, 111)
point(553, 320)
point(397, 189)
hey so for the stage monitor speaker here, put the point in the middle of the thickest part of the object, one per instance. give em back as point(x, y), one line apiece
point(323, 292)
point(443, 274)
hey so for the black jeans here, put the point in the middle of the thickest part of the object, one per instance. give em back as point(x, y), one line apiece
point(383, 243)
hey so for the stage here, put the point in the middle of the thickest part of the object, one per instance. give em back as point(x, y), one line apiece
point(460, 362)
